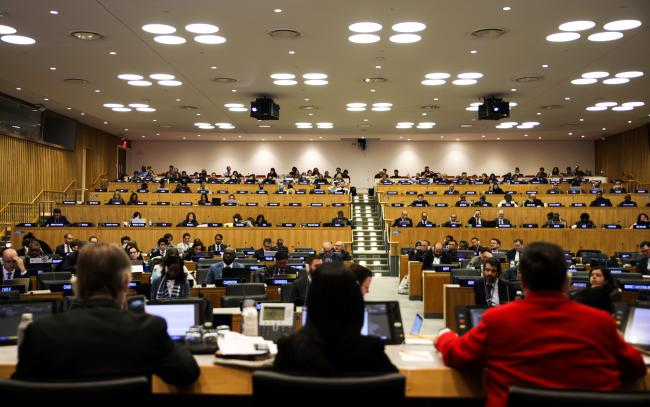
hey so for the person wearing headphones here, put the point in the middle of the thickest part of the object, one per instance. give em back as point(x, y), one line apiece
point(492, 290)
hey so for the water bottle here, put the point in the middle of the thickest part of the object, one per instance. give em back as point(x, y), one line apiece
point(145, 267)
point(25, 320)
point(249, 318)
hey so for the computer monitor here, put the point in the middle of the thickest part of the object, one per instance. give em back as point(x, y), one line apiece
point(381, 319)
point(216, 201)
point(237, 274)
point(637, 328)
point(137, 268)
point(270, 253)
point(468, 316)
point(11, 312)
point(179, 315)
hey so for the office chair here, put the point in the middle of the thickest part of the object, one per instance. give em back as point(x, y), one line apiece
point(285, 293)
point(531, 397)
point(122, 390)
point(376, 388)
point(236, 293)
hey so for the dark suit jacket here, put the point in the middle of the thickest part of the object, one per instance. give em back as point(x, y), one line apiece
point(307, 352)
point(422, 203)
point(60, 250)
point(536, 202)
point(344, 255)
point(510, 255)
point(15, 275)
point(422, 225)
point(397, 221)
point(506, 221)
point(270, 271)
point(507, 293)
point(642, 266)
point(600, 202)
point(299, 290)
point(448, 224)
point(259, 254)
point(69, 263)
point(472, 221)
point(100, 341)
point(213, 249)
point(427, 260)
point(51, 220)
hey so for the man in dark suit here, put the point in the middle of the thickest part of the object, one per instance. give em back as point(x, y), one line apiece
point(492, 290)
point(501, 219)
point(517, 248)
point(555, 189)
point(435, 256)
point(453, 219)
point(424, 221)
point(65, 248)
point(56, 218)
point(218, 245)
point(451, 190)
point(462, 201)
point(88, 342)
point(627, 201)
point(301, 284)
point(532, 201)
point(281, 266)
point(600, 200)
point(482, 202)
point(419, 201)
point(341, 219)
point(329, 255)
point(617, 188)
point(161, 249)
point(12, 265)
point(403, 221)
point(643, 266)
point(476, 219)
point(228, 262)
point(69, 262)
point(267, 246)
point(339, 248)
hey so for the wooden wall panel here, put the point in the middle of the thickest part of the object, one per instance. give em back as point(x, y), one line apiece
point(626, 153)
point(29, 167)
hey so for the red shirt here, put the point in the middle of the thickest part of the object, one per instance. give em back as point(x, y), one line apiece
point(544, 341)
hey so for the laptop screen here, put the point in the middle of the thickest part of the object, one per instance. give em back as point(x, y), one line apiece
point(417, 324)
point(179, 317)
point(637, 329)
point(11, 312)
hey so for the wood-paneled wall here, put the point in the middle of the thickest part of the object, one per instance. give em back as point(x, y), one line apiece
point(28, 167)
point(626, 153)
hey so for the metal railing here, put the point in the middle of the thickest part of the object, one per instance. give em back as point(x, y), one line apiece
point(21, 212)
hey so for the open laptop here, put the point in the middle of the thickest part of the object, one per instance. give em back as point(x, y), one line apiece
point(637, 328)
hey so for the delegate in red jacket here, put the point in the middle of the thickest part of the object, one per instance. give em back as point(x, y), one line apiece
point(545, 340)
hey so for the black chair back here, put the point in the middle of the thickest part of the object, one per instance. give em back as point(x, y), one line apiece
point(384, 387)
point(132, 389)
point(285, 293)
point(531, 397)
point(246, 289)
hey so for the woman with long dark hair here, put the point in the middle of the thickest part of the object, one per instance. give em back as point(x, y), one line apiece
point(172, 282)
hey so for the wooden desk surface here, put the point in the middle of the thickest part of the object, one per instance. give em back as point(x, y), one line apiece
point(423, 379)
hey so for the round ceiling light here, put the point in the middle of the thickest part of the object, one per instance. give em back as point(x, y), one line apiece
point(595, 75)
point(470, 75)
point(356, 109)
point(112, 105)
point(382, 104)
point(437, 75)
point(580, 25)
point(615, 81)
point(86, 35)
point(139, 83)
point(472, 108)
point(363, 38)
point(159, 29)
point(18, 39)
point(285, 82)
point(356, 104)
point(5, 29)
point(162, 76)
point(129, 77)
point(606, 104)
point(201, 28)
point(629, 74)
point(170, 83)
point(210, 39)
point(238, 109)
point(169, 39)
point(433, 82)
point(380, 109)
point(316, 82)
point(229, 105)
point(283, 76)
point(584, 81)
point(136, 105)
point(596, 108)
point(314, 76)
point(405, 38)
point(622, 108)
point(605, 36)
point(121, 109)
point(633, 104)
point(464, 82)
point(145, 109)
point(622, 25)
point(409, 27)
point(562, 37)
point(365, 27)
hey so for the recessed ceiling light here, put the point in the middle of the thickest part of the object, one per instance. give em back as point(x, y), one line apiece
point(405, 38)
point(229, 105)
point(83, 114)
point(285, 82)
point(433, 82)
point(596, 108)
point(46, 99)
point(363, 38)
point(145, 109)
point(208, 127)
point(582, 120)
point(53, 68)
point(356, 104)
point(105, 122)
point(307, 99)
point(97, 91)
point(472, 108)
point(513, 90)
point(476, 104)
point(113, 53)
point(539, 113)
point(633, 104)
point(121, 109)
point(54, 12)
point(18, 39)
point(5, 29)
point(86, 35)
point(409, 27)
point(605, 36)
point(238, 109)
point(595, 74)
point(544, 65)
point(562, 37)
point(139, 83)
point(277, 10)
point(266, 126)
point(365, 27)
point(615, 81)
point(283, 76)
point(292, 52)
point(316, 82)
point(169, 39)
point(604, 128)
point(382, 104)
point(380, 109)
point(372, 90)
point(582, 136)
point(210, 39)
point(577, 25)
point(314, 76)
point(506, 8)
point(178, 99)
point(201, 28)
point(233, 90)
point(136, 105)
point(606, 104)
point(629, 121)
point(170, 83)
point(162, 76)
point(437, 75)
point(202, 124)
point(365, 120)
point(539, 138)
point(159, 28)
point(622, 108)
point(622, 25)
point(130, 76)
point(583, 81)
point(470, 75)
point(377, 66)
point(567, 98)
point(464, 82)
point(473, 51)
point(629, 74)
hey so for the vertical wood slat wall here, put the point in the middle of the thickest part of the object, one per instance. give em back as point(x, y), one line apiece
point(625, 153)
point(27, 167)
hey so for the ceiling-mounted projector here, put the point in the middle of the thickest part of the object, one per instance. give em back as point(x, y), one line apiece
point(493, 109)
point(265, 109)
